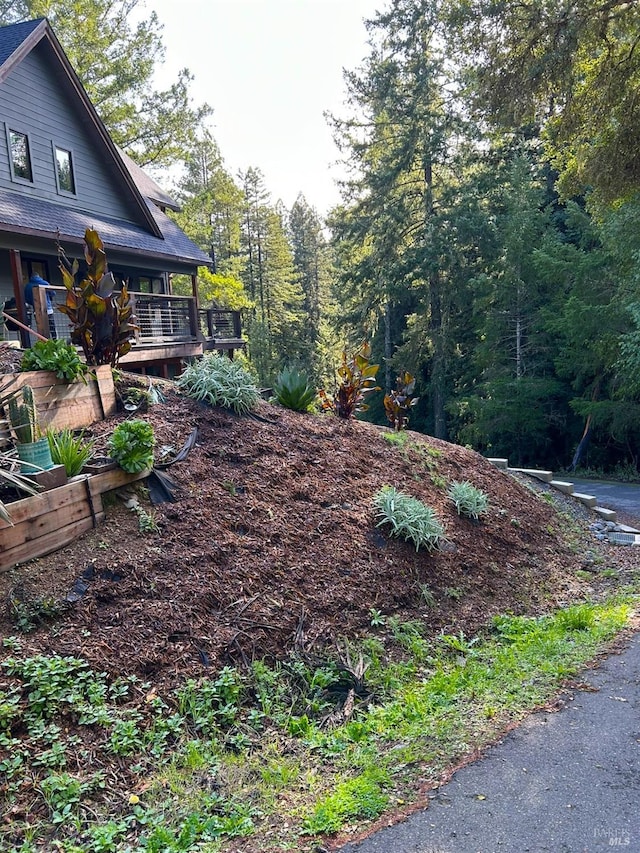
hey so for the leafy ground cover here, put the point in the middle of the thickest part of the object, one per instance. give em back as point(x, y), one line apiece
point(258, 667)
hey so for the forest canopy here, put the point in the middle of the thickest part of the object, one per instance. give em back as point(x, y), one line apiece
point(488, 236)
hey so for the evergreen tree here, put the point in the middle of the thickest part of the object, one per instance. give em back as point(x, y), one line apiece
point(115, 61)
point(275, 324)
point(406, 141)
point(313, 266)
point(572, 68)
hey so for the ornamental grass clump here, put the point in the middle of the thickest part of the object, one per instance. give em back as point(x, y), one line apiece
point(409, 518)
point(219, 381)
point(293, 391)
point(468, 500)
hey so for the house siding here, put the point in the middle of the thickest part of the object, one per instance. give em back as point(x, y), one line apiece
point(34, 101)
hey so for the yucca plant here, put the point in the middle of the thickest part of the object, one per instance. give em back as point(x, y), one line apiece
point(219, 381)
point(468, 500)
point(398, 402)
point(100, 314)
point(356, 379)
point(293, 391)
point(409, 518)
point(71, 450)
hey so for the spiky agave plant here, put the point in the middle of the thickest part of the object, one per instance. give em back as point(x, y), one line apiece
point(293, 391)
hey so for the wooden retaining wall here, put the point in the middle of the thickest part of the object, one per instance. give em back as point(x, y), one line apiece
point(62, 404)
point(47, 522)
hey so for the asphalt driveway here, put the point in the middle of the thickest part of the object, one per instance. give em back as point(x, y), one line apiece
point(565, 782)
point(623, 497)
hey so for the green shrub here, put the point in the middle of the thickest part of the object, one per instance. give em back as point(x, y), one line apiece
point(293, 391)
point(70, 450)
point(410, 519)
point(468, 500)
point(131, 445)
point(56, 355)
point(219, 381)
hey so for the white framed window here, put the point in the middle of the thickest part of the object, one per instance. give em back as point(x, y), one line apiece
point(65, 178)
point(19, 155)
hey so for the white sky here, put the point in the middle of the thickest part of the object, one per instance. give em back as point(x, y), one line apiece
point(269, 69)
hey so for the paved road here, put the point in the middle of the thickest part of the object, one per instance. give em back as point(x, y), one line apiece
point(566, 782)
point(623, 497)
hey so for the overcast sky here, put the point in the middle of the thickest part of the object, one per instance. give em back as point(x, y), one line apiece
point(269, 69)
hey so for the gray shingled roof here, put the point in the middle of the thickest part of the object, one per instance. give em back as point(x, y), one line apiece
point(147, 186)
point(28, 214)
point(12, 36)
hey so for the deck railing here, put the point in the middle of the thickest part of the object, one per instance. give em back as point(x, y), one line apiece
point(220, 324)
point(160, 317)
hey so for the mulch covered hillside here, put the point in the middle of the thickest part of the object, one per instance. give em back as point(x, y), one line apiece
point(272, 542)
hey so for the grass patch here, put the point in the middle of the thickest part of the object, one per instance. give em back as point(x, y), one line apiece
point(285, 753)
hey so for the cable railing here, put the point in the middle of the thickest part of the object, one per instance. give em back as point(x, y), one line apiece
point(159, 318)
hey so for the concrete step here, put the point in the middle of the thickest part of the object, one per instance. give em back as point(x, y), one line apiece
point(562, 486)
point(606, 514)
point(623, 538)
point(545, 476)
point(587, 500)
point(624, 528)
point(499, 462)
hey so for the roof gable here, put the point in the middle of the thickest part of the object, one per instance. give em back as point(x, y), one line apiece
point(13, 36)
point(16, 42)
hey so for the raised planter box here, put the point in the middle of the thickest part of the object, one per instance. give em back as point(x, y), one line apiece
point(69, 405)
point(49, 521)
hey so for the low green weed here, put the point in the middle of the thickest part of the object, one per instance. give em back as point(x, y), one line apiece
point(361, 797)
point(186, 788)
point(147, 521)
point(211, 705)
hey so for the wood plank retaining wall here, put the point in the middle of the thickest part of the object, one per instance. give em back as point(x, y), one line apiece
point(49, 521)
point(62, 404)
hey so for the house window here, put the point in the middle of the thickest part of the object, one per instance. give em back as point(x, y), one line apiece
point(20, 156)
point(64, 171)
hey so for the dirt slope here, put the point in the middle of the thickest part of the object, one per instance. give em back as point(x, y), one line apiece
point(272, 541)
